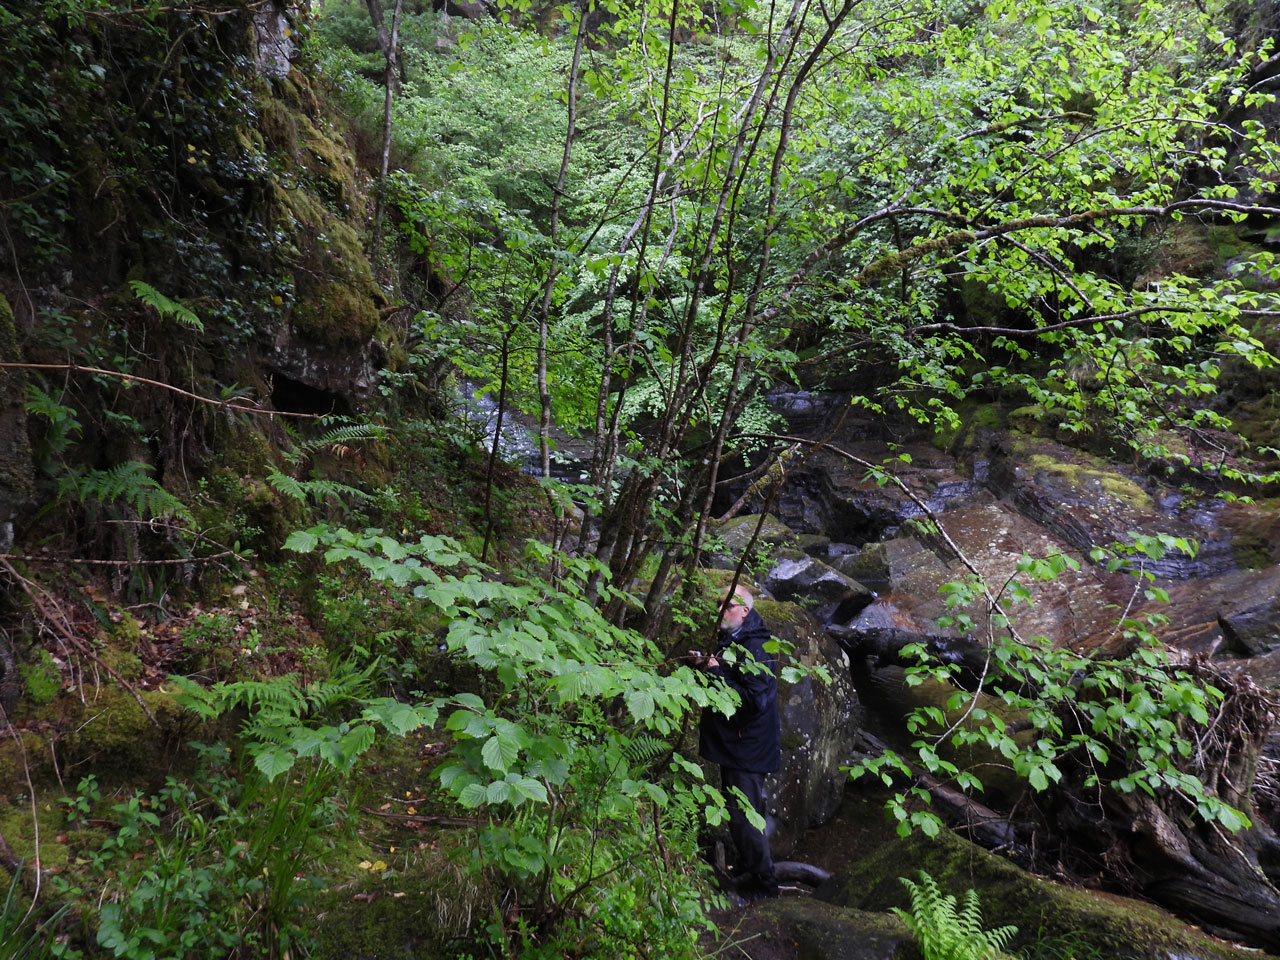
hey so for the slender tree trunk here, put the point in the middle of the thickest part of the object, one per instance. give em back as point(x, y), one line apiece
point(497, 439)
point(729, 414)
point(544, 314)
point(388, 42)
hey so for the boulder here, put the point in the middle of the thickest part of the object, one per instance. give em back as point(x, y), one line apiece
point(818, 722)
point(833, 597)
point(774, 534)
point(801, 928)
point(1041, 909)
point(1250, 615)
point(1089, 502)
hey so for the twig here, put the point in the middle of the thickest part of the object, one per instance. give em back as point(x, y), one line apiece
point(25, 558)
point(157, 383)
point(435, 819)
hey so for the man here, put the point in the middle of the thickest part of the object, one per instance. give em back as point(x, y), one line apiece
point(748, 744)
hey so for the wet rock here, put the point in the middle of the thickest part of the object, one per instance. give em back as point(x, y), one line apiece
point(1111, 926)
point(1250, 615)
point(822, 931)
point(818, 722)
point(831, 595)
point(737, 533)
point(1089, 502)
point(814, 544)
point(1254, 529)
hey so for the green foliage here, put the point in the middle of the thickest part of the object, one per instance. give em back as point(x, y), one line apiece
point(945, 932)
point(1126, 722)
point(219, 865)
point(130, 483)
point(560, 753)
point(24, 932)
point(164, 306)
point(41, 681)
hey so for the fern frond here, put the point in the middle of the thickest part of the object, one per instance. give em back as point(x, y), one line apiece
point(644, 748)
point(945, 933)
point(317, 490)
point(283, 483)
point(164, 306)
point(130, 482)
point(346, 434)
point(274, 699)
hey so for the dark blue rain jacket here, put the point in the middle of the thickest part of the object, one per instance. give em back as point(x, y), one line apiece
point(751, 739)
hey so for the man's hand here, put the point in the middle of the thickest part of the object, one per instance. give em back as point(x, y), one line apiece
point(701, 661)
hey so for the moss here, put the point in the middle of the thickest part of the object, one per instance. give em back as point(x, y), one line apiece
point(1029, 419)
point(21, 754)
point(113, 730)
point(412, 915)
point(41, 680)
point(279, 126)
point(822, 931)
point(19, 828)
point(243, 449)
point(122, 661)
point(776, 612)
point(328, 161)
point(1095, 477)
point(1041, 909)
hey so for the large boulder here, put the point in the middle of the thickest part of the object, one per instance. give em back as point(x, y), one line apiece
point(765, 536)
point(1041, 909)
point(1250, 615)
point(801, 928)
point(818, 722)
point(1092, 502)
point(832, 596)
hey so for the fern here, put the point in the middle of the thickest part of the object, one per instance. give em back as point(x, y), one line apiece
point(129, 482)
point(316, 490)
point(164, 306)
point(335, 439)
point(945, 933)
point(643, 748)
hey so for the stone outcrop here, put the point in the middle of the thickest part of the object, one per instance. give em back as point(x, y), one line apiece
point(832, 596)
point(1112, 926)
point(818, 723)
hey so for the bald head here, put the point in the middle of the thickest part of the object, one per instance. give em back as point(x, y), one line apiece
point(735, 606)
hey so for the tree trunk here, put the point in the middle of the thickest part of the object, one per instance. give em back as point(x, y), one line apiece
point(388, 43)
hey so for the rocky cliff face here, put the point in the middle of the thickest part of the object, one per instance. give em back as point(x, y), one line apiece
point(195, 153)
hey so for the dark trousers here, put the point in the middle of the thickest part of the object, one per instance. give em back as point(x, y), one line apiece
point(755, 862)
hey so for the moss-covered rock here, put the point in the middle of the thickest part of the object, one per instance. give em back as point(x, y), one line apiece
point(737, 533)
point(112, 729)
point(802, 927)
point(1117, 926)
point(414, 916)
point(41, 680)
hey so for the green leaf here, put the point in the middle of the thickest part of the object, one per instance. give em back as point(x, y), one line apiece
point(301, 541)
point(472, 796)
point(500, 751)
point(640, 703)
point(274, 761)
